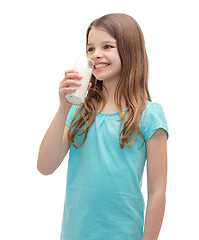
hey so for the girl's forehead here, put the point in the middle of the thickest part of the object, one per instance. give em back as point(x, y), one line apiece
point(99, 34)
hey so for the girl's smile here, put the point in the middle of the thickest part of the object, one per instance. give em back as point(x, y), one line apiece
point(100, 66)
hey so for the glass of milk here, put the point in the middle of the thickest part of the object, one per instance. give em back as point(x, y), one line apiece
point(83, 66)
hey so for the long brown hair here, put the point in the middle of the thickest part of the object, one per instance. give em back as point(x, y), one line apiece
point(133, 83)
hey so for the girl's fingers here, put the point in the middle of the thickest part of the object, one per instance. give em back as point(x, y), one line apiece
point(70, 71)
point(89, 85)
point(64, 91)
point(74, 76)
point(68, 83)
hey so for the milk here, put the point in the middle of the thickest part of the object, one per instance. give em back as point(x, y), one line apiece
point(77, 97)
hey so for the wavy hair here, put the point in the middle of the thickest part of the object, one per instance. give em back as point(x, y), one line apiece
point(132, 85)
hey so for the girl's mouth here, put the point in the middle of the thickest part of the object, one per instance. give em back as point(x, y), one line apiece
point(101, 65)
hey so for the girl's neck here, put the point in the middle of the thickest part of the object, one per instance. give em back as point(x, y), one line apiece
point(109, 91)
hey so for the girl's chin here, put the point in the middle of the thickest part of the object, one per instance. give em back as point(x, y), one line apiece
point(98, 77)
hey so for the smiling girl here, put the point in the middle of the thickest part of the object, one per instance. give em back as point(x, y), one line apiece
point(110, 137)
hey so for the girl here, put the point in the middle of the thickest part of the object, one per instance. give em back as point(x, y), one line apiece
point(110, 137)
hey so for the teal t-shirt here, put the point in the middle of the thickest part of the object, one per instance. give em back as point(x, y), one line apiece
point(103, 194)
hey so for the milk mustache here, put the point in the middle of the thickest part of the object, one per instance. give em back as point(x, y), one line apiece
point(77, 97)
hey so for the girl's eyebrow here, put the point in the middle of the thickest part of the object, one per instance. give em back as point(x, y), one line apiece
point(113, 42)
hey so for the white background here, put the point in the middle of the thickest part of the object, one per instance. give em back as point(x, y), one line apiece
point(39, 41)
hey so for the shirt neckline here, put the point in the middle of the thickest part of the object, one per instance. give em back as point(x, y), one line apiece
point(110, 114)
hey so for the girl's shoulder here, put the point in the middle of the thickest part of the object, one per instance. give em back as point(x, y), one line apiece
point(152, 104)
point(152, 118)
point(152, 108)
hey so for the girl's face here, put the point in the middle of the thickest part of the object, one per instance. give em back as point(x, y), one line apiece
point(102, 49)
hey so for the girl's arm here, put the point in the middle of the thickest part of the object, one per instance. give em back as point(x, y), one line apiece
point(55, 143)
point(156, 182)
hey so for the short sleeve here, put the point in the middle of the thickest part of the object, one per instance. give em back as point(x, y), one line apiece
point(71, 114)
point(153, 118)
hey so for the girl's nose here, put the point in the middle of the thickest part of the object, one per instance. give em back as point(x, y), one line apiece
point(97, 54)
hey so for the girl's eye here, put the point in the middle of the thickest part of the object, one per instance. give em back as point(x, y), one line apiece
point(90, 49)
point(108, 46)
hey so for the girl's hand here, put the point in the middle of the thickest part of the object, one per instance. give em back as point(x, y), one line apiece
point(68, 84)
